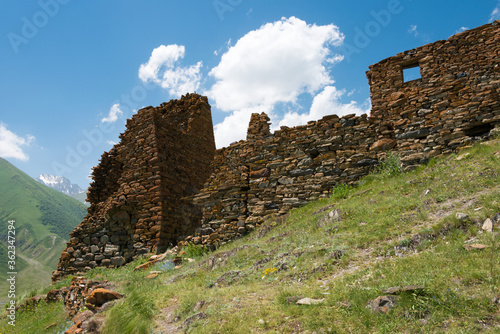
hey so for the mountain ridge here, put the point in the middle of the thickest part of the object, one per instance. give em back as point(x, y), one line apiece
point(43, 219)
point(60, 183)
point(64, 185)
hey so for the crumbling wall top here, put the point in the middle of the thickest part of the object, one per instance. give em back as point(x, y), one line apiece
point(258, 127)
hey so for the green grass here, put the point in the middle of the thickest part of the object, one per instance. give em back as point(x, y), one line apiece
point(396, 230)
point(138, 308)
point(391, 165)
point(43, 219)
point(36, 319)
point(194, 251)
point(341, 191)
point(40, 210)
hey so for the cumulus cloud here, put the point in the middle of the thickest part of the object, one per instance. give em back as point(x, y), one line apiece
point(11, 145)
point(325, 103)
point(272, 65)
point(275, 63)
point(163, 69)
point(462, 29)
point(495, 14)
point(113, 115)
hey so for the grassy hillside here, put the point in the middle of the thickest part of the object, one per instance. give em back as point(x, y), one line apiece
point(395, 229)
point(44, 218)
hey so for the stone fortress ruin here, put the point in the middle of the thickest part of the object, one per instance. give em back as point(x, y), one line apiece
point(165, 182)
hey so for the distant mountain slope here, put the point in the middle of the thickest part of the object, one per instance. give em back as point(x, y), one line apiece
point(64, 186)
point(43, 218)
point(82, 198)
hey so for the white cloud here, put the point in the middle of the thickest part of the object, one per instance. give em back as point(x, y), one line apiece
point(275, 63)
point(113, 115)
point(325, 103)
point(495, 14)
point(272, 65)
point(11, 145)
point(462, 29)
point(413, 30)
point(162, 68)
point(227, 46)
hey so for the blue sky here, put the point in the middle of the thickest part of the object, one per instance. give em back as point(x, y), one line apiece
point(73, 71)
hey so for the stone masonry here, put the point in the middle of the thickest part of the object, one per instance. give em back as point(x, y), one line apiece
point(148, 190)
point(454, 103)
point(138, 196)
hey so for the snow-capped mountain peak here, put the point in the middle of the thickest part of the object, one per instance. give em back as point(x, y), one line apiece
point(60, 184)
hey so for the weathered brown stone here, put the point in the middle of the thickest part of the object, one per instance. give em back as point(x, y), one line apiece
point(118, 261)
point(164, 182)
point(100, 296)
point(384, 144)
point(53, 295)
point(418, 119)
point(264, 172)
point(65, 256)
point(143, 184)
point(259, 126)
point(75, 295)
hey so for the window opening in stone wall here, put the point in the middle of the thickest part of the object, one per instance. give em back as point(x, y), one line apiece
point(411, 72)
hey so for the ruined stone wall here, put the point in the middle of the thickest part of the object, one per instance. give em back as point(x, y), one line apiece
point(137, 198)
point(145, 193)
point(455, 100)
point(454, 103)
point(255, 179)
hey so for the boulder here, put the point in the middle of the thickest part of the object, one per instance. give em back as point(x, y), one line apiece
point(100, 296)
point(382, 304)
point(118, 261)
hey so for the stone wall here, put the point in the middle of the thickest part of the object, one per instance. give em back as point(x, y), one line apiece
point(145, 193)
point(138, 195)
point(456, 99)
point(454, 103)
